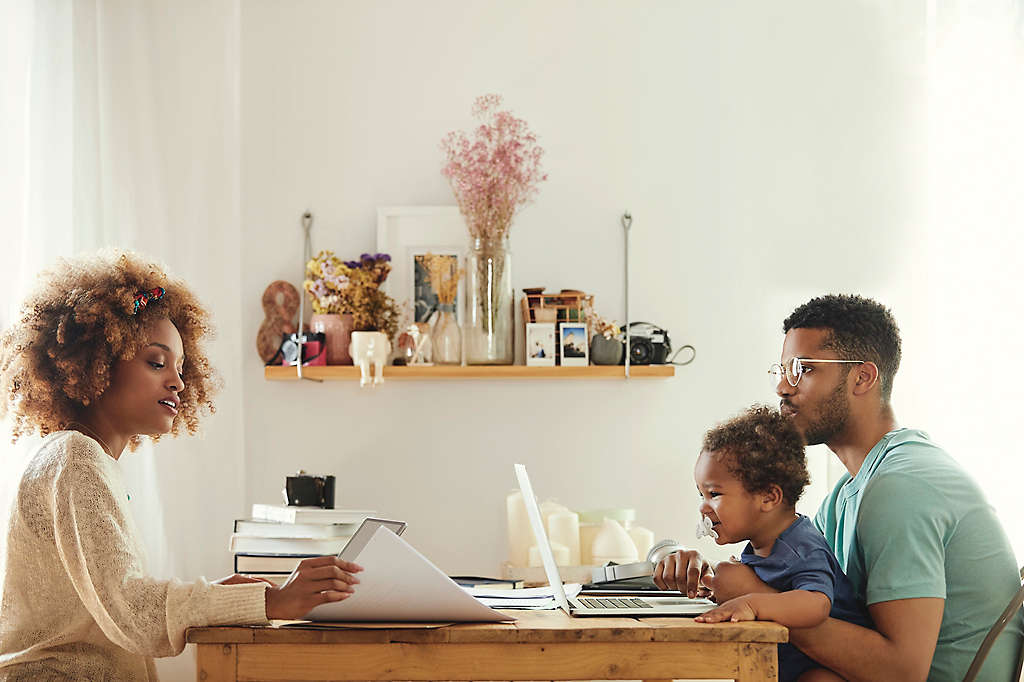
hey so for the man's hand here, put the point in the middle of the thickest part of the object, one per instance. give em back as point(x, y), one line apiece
point(315, 581)
point(734, 610)
point(684, 570)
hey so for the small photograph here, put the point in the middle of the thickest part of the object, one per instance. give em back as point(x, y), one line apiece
point(540, 344)
point(574, 345)
point(427, 269)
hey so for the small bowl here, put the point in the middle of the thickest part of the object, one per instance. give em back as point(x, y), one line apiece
point(533, 291)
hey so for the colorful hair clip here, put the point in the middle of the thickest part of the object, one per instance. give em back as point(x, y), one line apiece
point(144, 297)
point(704, 528)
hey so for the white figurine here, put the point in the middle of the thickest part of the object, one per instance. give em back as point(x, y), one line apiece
point(367, 347)
point(423, 354)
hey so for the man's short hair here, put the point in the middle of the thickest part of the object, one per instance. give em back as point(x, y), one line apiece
point(859, 329)
point(761, 448)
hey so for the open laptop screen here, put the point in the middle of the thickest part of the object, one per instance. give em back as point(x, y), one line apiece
point(362, 536)
point(533, 511)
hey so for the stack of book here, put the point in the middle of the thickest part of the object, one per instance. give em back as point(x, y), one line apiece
point(277, 537)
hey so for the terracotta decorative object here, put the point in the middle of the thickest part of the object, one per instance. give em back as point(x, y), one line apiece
point(280, 306)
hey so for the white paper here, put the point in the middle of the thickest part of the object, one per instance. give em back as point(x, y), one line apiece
point(571, 590)
point(541, 603)
point(400, 584)
point(529, 598)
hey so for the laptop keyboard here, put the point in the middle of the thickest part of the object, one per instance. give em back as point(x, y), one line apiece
point(615, 603)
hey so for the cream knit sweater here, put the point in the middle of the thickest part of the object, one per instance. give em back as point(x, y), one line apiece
point(76, 602)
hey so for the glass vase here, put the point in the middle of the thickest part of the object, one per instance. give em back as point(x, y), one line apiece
point(447, 336)
point(490, 313)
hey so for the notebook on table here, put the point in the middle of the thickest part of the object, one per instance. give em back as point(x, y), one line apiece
point(604, 605)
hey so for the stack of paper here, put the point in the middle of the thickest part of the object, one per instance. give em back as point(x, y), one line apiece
point(539, 598)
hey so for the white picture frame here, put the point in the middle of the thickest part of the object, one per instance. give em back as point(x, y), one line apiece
point(574, 344)
point(404, 232)
point(540, 344)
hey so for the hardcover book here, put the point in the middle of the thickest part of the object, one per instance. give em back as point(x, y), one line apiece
point(287, 514)
point(273, 529)
point(247, 544)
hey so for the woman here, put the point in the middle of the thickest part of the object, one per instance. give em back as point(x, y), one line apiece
point(108, 350)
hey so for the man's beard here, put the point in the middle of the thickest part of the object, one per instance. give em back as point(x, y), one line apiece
point(832, 417)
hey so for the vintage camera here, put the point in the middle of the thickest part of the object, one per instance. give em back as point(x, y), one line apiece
point(303, 490)
point(648, 344)
point(312, 350)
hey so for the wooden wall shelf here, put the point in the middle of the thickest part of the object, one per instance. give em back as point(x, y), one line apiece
point(350, 373)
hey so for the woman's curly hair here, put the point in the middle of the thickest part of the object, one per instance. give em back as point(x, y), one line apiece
point(57, 357)
point(761, 448)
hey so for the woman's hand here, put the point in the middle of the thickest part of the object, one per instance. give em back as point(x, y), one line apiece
point(684, 570)
point(315, 581)
point(237, 579)
point(734, 610)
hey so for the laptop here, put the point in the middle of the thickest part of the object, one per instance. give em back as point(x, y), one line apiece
point(605, 605)
point(362, 536)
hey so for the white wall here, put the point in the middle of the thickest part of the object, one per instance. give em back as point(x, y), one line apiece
point(768, 153)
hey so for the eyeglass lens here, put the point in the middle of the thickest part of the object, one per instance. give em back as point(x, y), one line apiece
point(792, 370)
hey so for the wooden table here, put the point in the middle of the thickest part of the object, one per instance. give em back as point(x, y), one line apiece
point(541, 645)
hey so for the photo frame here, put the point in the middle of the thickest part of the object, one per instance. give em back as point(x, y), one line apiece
point(405, 232)
point(575, 347)
point(540, 344)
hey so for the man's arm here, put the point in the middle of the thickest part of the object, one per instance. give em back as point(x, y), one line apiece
point(901, 649)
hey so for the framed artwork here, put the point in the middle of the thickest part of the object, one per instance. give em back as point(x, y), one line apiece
point(408, 233)
point(575, 351)
point(424, 299)
point(540, 344)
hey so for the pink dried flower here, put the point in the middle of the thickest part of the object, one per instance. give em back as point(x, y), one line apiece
point(494, 173)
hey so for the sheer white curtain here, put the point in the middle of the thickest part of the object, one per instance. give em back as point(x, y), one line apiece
point(965, 385)
point(119, 126)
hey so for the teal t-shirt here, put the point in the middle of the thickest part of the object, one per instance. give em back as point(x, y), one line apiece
point(913, 524)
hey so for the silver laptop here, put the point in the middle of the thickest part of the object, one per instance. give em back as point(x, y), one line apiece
point(604, 605)
point(362, 536)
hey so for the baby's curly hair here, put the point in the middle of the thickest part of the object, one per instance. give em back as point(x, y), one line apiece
point(761, 448)
point(58, 356)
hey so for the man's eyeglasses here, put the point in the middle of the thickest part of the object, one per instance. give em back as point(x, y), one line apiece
point(794, 369)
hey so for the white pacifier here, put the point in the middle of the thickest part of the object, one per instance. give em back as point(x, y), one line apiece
point(704, 529)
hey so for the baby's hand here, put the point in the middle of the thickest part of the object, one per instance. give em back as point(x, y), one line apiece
point(734, 610)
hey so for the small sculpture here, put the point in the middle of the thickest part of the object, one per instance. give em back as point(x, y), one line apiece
point(280, 306)
point(370, 347)
point(423, 353)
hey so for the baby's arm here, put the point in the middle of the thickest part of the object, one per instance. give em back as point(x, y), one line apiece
point(794, 609)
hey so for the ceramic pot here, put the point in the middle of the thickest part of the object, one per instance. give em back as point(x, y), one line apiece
point(370, 351)
point(338, 330)
point(606, 351)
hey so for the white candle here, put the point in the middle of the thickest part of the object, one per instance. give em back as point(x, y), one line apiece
point(564, 529)
point(561, 553)
point(643, 538)
point(520, 535)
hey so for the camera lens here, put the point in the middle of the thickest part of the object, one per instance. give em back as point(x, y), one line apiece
point(290, 351)
point(640, 351)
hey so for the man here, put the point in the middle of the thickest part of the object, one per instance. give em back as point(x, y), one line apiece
point(910, 528)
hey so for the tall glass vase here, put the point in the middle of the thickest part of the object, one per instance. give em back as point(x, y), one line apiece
point(490, 313)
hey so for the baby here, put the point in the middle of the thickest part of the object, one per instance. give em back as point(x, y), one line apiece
point(750, 473)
